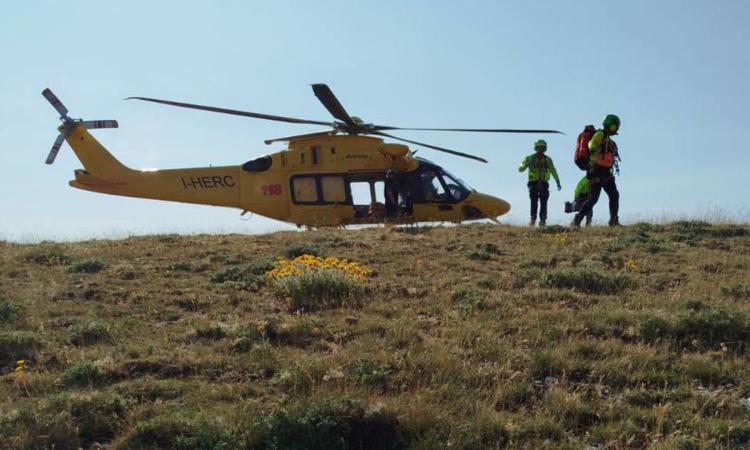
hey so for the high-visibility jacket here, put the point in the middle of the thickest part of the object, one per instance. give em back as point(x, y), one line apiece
point(602, 150)
point(583, 187)
point(540, 168)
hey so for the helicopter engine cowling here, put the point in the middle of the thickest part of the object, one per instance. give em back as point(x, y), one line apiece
point(393, 149)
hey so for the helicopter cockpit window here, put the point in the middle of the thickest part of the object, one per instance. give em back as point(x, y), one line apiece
point(457, 188)
point(433, 188)
point(258, 164)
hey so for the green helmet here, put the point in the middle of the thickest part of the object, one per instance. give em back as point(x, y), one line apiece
point(540, 144)
point(611, 123)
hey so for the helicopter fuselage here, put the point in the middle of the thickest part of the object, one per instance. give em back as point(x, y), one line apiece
point(322, 181)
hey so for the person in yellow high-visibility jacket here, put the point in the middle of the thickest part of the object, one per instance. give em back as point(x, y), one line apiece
point(540, 168)
point(603, 154)
point(581, 195)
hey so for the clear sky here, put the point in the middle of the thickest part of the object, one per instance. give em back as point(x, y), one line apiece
point(676, 72)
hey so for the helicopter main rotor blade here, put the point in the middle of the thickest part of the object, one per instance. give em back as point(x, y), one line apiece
point(470, 130)
point(332, 104)
point(440, 149)
point(232, 111)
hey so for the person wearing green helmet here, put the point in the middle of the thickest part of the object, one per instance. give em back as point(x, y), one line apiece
point(603, 157)
point(540, 168)
point(580, 196)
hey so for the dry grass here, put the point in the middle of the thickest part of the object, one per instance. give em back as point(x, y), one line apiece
point(465, 337)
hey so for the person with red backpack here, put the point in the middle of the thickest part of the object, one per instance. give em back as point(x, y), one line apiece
point(597, 154)
point(540, 168)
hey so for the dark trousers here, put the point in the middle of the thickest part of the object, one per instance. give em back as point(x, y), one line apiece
point(539, 194)
point(579, 201)
point(600, 179)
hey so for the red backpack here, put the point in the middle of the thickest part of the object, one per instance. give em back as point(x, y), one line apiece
point(581, 157)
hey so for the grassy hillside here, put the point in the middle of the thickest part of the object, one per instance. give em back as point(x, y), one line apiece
point(469, 337)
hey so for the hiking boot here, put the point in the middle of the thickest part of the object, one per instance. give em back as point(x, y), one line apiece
point(532, 222)
point(543, 222)
point(576, 223)
point(614, 222)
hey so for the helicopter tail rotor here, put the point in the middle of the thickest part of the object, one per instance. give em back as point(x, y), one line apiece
point(68, 124)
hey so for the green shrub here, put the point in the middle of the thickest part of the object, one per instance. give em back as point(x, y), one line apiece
point(707, 371)
point(651, 329)
point(609, 323)
point(177, 432)
point(468, 299)
point(211, 332)
point(737, 291)
point(485, 282)
point(99, 417)
point(369, 372)
point(167, 238)
point(588, 280)
point(261, 266)
point(336, 424)
point(707, 325)
point(728, 231)
point(9, 312)
point(239, 277)
point(514, 396)
point(319, 289)
point(570, 410)
point(84, 374)
point(263, 360)
point(479, 255)
point(224, 257)
point(87, 266)
point(552, 229)
point(15, 345)
point(489, 247)
point(180, 266)
point(91, 333)
point(296, 250)
point(47, 255)
point(32, 429)
point(257, 332)
point(526, 276)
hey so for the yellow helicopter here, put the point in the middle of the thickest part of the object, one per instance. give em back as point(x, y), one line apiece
point(337, 177)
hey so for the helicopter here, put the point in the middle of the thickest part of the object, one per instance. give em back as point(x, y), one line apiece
point(344, 175)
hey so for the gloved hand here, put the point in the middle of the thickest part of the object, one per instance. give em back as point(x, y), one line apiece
point(559, 187)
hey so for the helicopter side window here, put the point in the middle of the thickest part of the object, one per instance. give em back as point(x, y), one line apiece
point(258, 164)
point(305, 190)
point(433, 188)
point(334, 189)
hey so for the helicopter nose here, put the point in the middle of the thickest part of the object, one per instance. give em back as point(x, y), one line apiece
point(501, 207)
point(489, 206)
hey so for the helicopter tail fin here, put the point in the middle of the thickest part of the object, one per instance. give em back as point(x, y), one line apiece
point(94, 157)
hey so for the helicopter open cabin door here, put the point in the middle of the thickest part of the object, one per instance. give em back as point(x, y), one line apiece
point(320, 199)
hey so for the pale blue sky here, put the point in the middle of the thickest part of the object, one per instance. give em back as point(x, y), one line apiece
point(677, 73)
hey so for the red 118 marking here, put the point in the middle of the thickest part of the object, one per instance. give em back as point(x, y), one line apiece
point(271, 189)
